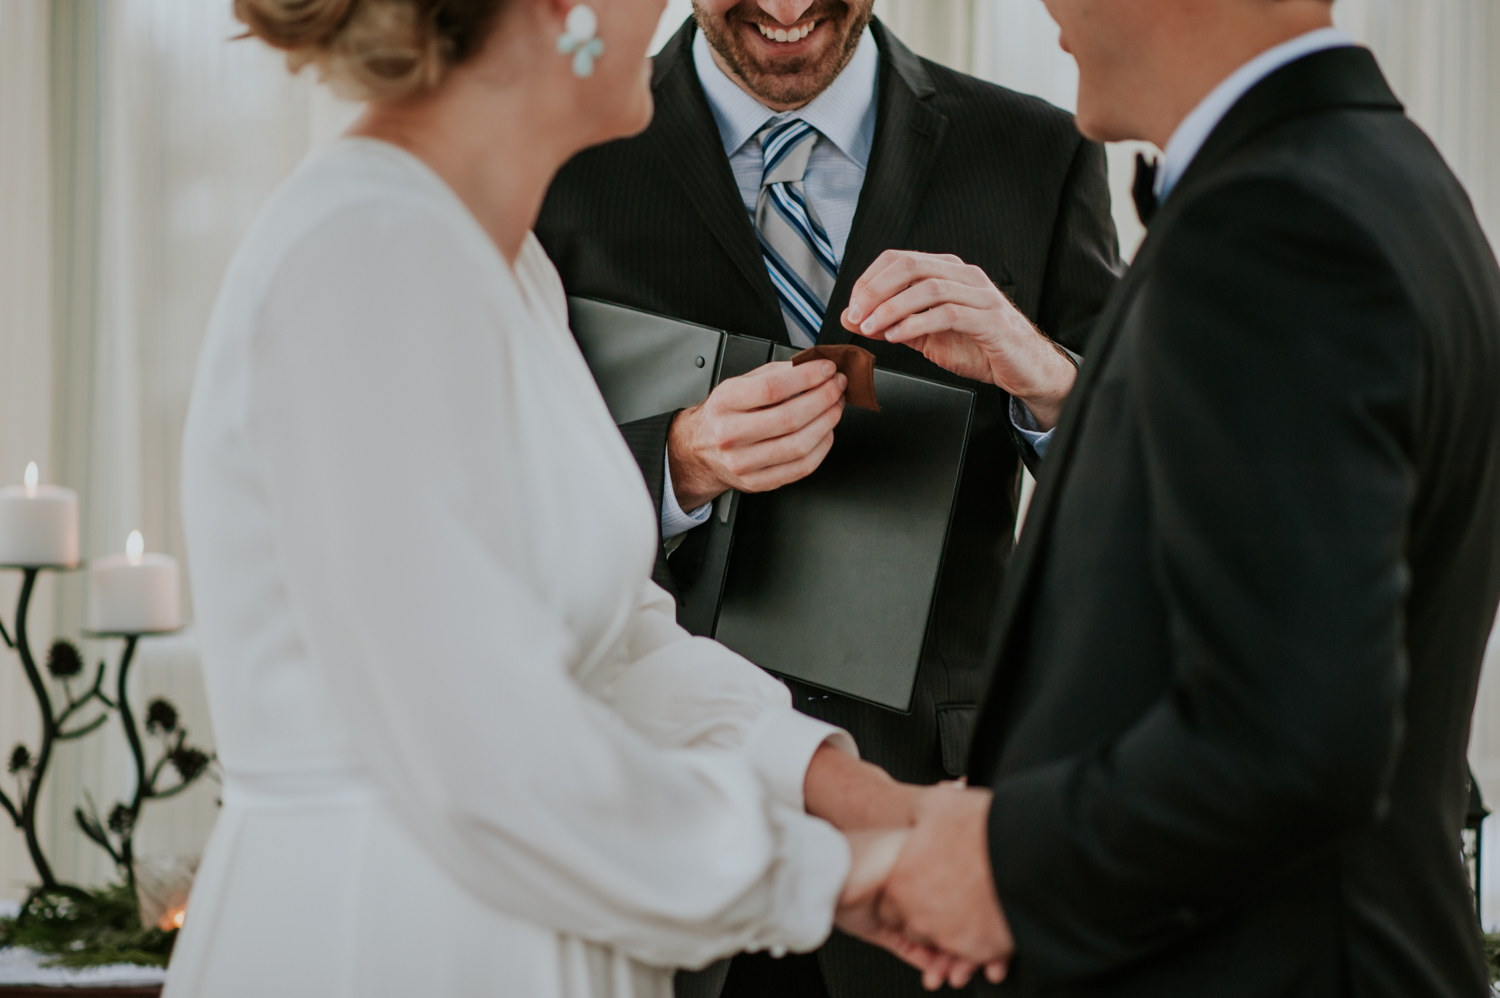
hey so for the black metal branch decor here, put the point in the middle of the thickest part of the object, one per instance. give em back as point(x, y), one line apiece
point(28, 768)
point(116, 834)
point(76, 713)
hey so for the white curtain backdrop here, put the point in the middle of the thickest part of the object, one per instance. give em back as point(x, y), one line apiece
point(136, 143)
point(163, 137)
point(25, 343)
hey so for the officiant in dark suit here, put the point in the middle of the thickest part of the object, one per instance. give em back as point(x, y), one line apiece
point(793, 144)
point(1238, 647)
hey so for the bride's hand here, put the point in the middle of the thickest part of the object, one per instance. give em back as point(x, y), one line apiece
point(955, 316)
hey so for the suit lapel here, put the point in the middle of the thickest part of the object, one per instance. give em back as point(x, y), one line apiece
point(1333, 78)
point(908, 136)
point(687, 137)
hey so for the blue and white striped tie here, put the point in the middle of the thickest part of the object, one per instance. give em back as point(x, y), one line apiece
point(798, 253)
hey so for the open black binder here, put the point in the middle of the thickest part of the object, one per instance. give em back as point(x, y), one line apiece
point(830, 580)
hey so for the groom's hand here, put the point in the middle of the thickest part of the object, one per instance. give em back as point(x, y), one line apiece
point(941, 892)
point(756, 432)
point(955, 316)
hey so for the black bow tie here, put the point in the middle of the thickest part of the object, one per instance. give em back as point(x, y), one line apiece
point(1144, 190)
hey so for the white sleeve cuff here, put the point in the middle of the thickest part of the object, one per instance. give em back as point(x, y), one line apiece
point(780, 747)
point(1025, 424)
point(812, 866)
point(673, 520)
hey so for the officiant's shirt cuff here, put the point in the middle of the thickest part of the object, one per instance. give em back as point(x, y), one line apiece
point(780, 746)
point(1025, 424)
point(673, 520)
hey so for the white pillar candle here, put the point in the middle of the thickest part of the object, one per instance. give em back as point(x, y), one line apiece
point(38, 524)
point(134, 592)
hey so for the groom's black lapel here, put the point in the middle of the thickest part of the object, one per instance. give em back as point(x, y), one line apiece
point(687, 138)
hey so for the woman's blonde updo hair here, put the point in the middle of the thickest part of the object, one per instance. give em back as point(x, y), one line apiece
point(372, 49)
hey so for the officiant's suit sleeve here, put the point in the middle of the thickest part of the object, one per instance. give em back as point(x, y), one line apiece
point(1278, 375)
point(533, 770)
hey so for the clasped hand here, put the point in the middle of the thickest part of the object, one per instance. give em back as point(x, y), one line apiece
point(927, 893)
point(920, 882)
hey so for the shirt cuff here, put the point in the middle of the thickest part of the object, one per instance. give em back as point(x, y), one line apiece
point(780, 747)
point(1025, 424)
point(673, 520)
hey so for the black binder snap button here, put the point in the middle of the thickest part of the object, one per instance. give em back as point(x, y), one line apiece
point(700, 362)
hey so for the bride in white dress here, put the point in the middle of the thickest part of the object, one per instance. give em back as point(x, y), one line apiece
point(467, 749)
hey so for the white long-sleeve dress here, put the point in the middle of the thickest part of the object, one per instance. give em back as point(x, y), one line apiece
point(467, 749)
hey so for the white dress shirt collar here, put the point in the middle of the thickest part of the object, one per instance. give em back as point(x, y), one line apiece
point(838, 113)
point(1203, 119)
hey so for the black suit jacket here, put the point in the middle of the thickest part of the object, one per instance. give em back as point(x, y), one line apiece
point(1240, 640)
point(958, 166)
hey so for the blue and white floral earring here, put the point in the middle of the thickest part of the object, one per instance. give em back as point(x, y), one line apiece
point(580, 40)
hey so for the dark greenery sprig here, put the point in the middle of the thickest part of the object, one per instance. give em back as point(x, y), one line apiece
point(91, 930)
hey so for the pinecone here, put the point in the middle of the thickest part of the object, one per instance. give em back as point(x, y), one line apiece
point(189, 763)
point(161, 717)
point(63, 660)
point(121, 821)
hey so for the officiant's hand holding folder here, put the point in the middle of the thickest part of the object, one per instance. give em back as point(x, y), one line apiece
point(829, 580)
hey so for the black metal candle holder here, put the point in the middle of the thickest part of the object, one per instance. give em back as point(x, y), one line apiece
point(31, 770)
point(115, 834)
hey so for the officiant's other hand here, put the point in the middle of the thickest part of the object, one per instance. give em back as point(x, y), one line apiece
point(757, 432)
point(873, 856)
point(941, 892)
point(955, 316)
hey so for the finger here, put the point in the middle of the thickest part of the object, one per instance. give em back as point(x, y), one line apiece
point(936, 974)
point(777, 450)
point(903, 269)
point(771, 384)
point(883, 261)
point(743, 431)
point(792, 471)
point(961, 973)
point(995, 970)
point(862, 299)
point(928, 293)
point(945, 318)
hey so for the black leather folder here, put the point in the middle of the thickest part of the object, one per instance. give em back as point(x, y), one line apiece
point(829, 580)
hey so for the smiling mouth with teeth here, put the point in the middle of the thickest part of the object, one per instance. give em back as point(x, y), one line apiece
point(793, 34)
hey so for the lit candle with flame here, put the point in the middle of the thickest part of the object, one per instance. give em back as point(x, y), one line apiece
point(38, 524)
point(134, 592)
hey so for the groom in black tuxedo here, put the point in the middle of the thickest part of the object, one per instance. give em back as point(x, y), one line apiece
point(1237, 649)
point(915, 157)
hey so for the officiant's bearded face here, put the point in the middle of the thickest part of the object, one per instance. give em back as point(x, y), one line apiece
point(784, 52)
